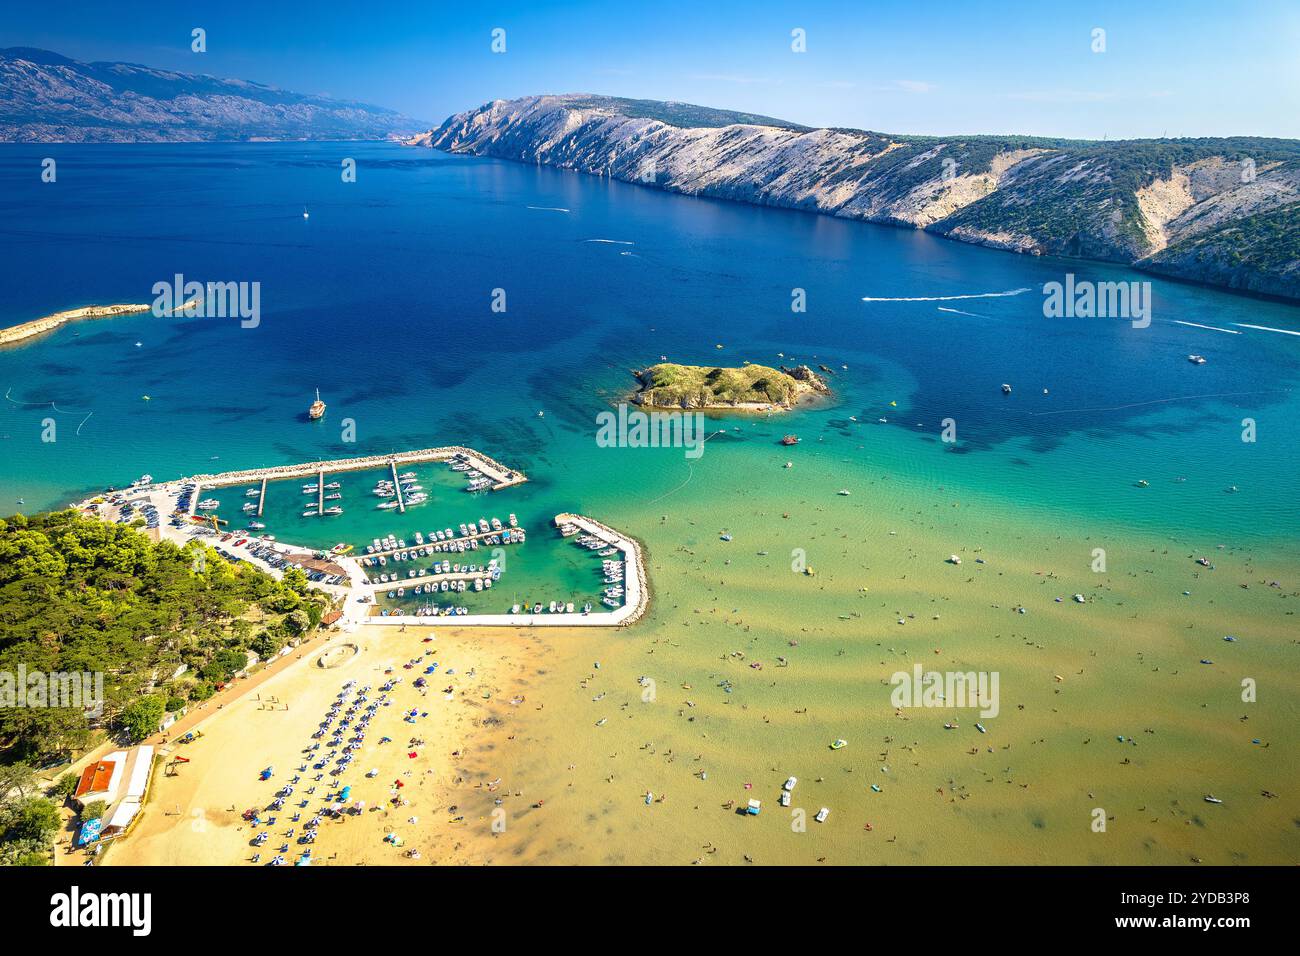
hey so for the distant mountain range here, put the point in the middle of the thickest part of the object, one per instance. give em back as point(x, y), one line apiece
point(45, 97)
point(1224, 212)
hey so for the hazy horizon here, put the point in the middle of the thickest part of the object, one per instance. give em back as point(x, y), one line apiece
point(1177, 70)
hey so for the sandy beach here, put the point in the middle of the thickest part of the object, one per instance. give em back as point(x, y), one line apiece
point(194, 817)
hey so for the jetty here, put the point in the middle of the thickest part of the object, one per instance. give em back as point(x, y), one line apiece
point(426, 578)
point(449, 542)
point(501, 476)
point(397, 486)
point(261, 499)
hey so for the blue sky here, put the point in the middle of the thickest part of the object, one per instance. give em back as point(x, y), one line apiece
point(1169, 68)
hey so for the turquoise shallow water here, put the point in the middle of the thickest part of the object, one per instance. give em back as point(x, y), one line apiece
point(382, 299)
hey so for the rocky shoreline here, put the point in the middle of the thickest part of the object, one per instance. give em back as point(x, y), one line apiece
point(26, 330)
point(1218, 211)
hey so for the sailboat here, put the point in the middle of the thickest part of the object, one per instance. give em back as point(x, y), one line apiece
point(317, 409)
point(305, 215)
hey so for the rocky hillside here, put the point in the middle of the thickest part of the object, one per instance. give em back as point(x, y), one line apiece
point(1221, 211)
point(668, 385)
point(46, 98)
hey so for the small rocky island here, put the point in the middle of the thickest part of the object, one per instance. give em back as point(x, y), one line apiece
point(668, 385)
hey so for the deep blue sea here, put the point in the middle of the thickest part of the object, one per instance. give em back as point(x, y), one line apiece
point(382, 300)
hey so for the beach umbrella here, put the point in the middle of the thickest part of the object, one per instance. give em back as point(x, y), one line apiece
point(90, 831)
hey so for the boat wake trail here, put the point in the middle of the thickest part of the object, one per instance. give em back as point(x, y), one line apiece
point(1265, 328)
point(946, 298)
point(1212, 328)
point(547, 208)
point(973, 315)
point(612, 242)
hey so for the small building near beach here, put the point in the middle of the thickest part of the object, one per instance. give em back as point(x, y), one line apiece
point(120, 780)
point(100, 780)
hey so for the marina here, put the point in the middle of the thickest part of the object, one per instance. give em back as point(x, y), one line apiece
point(628, 610)
point(498, 475)
point(458, 570)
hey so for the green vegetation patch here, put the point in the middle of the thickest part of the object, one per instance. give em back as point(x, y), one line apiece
point(162, 624)
point(670, 385)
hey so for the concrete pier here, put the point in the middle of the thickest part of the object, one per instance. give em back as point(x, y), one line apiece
point(261, 499)
point(397, 486)
point(499, 474)
point(409, 583)
point(478, 535)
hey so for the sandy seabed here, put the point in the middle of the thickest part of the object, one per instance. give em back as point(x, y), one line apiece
point(639, 745)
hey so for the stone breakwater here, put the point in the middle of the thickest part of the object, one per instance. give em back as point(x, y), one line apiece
point(26, 330)
point(637, 583)
point(501, 476)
